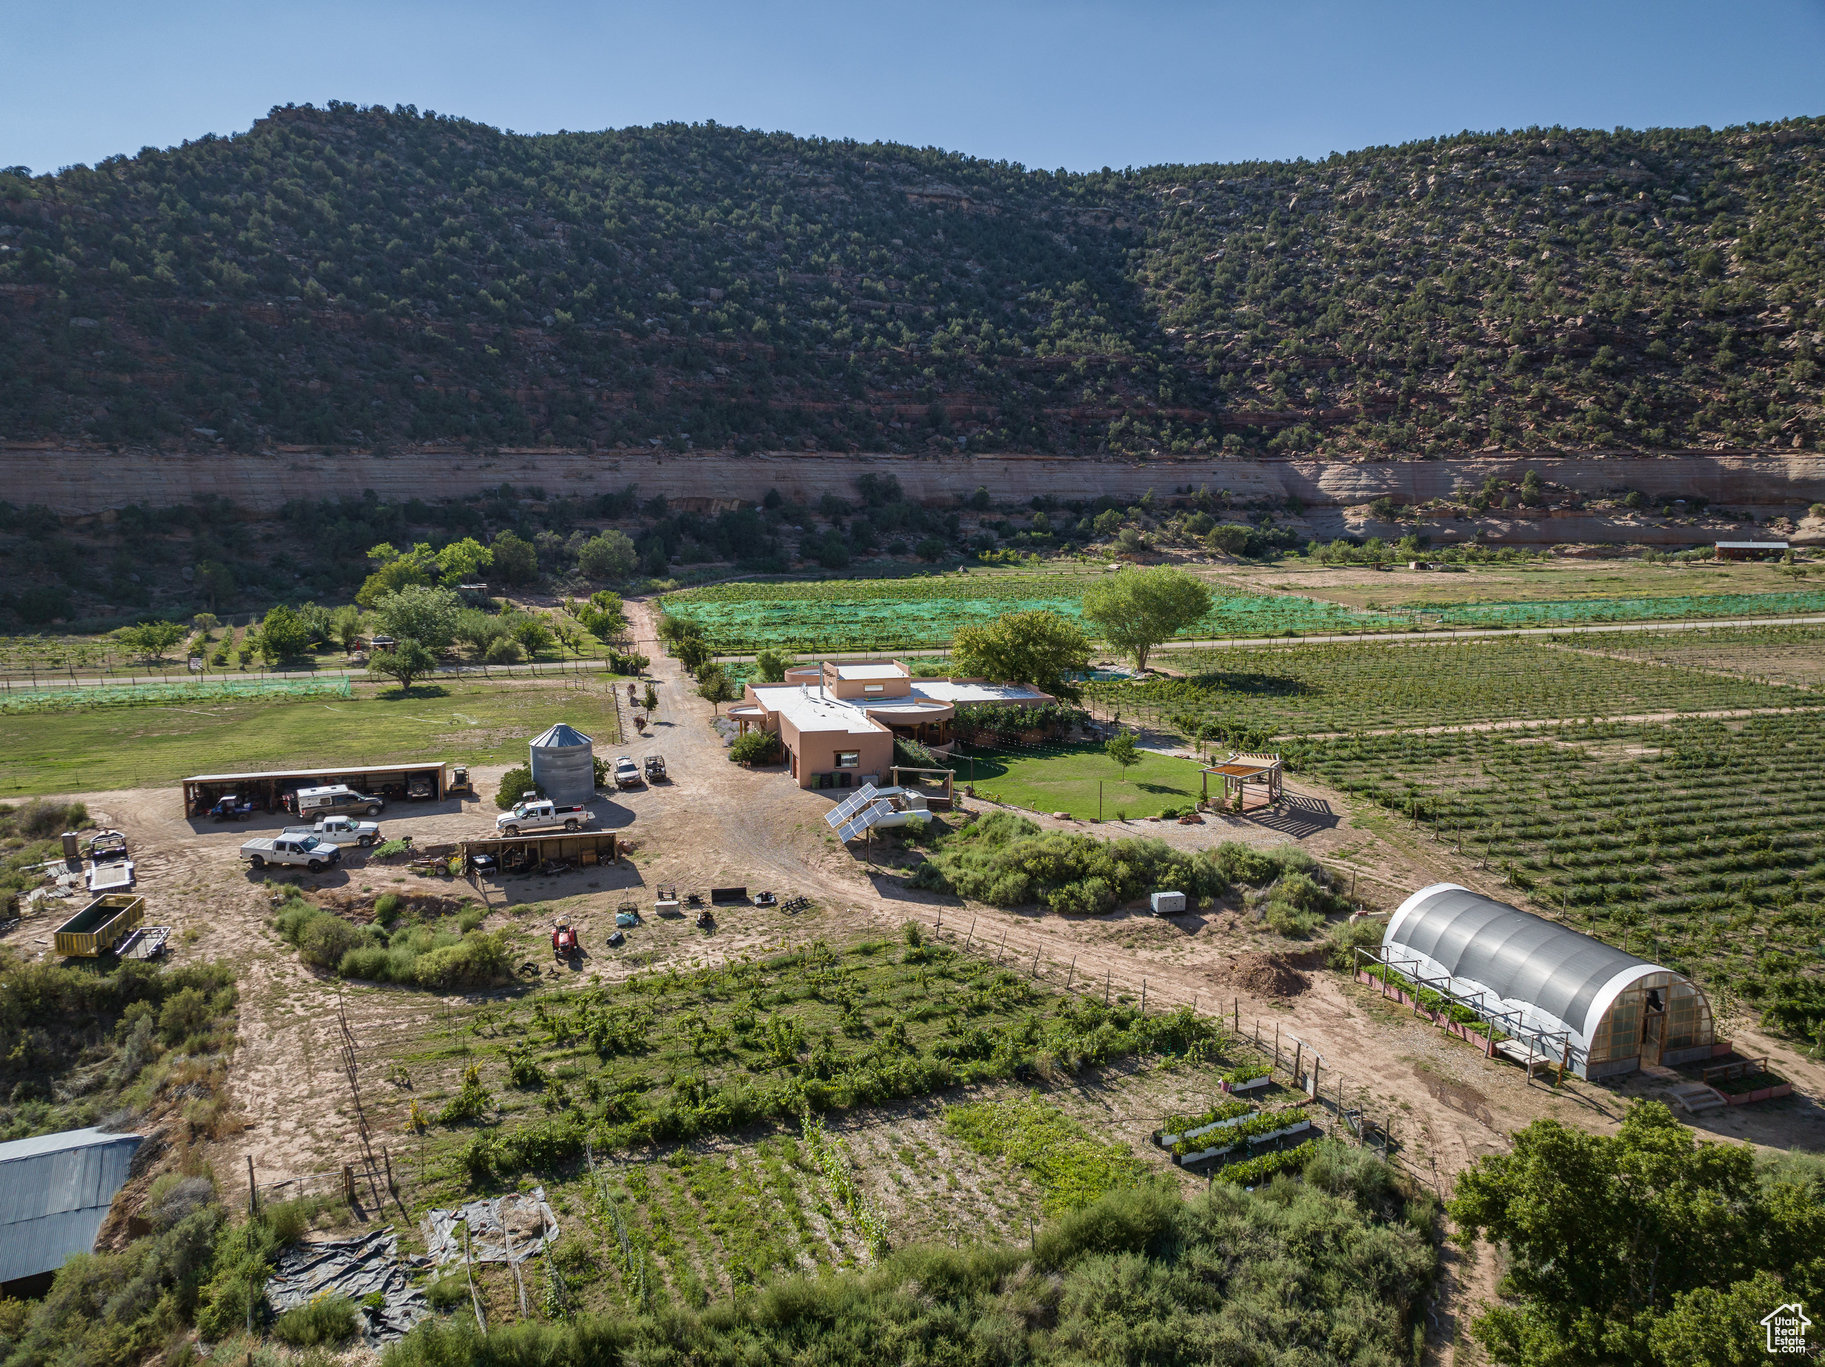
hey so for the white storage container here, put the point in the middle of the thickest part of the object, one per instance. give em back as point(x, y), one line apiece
point(1168, 903)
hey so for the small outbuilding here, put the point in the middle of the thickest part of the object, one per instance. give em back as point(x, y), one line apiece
point(1595, 1009)
point(564, 764)
point(55, 1190)
point(1750, 550)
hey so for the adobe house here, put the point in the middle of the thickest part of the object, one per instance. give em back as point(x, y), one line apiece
point(838, 721)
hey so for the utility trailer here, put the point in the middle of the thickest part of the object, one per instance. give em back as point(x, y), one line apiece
point(101, 925)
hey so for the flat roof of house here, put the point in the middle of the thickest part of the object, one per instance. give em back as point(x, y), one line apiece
point(860, 672)
point(426, 764)
point(965, 691)
point(1752, 545)
point(810, 710)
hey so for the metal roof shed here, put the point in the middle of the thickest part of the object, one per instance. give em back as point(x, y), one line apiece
point(55, 1190)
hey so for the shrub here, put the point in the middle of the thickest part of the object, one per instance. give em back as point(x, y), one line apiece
point(469, 918)
point(627, 662)
point(386, 906)
point(513, 783)
point(371, 962)
point(504, 650)
point(755, 747)
point(478, 960)
point(1285, 919)
point(327, 1319)
point(41, 820)
point(1346, 937)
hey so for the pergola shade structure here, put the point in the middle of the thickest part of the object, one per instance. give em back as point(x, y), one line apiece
point(1606, 1011)
point(1249, 781)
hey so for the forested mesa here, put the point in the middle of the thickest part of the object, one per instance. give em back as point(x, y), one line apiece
point(363, 278)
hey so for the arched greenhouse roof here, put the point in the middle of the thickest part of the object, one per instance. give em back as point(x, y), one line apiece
point(1514, 955)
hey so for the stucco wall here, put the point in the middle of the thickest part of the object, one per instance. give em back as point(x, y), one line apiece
point(81, 482)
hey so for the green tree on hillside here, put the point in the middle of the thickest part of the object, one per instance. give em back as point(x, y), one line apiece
point(515, 560)
point(1137, 609)
point(608, 556)
point(462, 561)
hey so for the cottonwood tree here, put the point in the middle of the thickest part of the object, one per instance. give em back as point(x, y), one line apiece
point(284, 635)
point(407, 662)
point(1138, 609)
point(151, 639)
point(716, 687)
point(1042, 649)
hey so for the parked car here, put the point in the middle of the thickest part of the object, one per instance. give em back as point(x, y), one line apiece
point(655, 768)
point(627, 773)
point(340, 830)
point(301, 851)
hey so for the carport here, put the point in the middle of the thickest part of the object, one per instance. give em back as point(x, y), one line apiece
point(266, 788)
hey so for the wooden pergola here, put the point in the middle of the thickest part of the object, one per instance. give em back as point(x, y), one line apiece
point(1242, 772)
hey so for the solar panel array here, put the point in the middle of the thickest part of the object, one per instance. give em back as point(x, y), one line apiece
point(849, 806)
point(862, 820)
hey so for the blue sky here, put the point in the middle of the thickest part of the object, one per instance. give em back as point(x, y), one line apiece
point(1072, 84)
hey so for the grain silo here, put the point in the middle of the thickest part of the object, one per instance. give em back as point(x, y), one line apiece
point(564, 764)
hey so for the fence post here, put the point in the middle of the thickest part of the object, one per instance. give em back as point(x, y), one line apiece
point(253, 1192)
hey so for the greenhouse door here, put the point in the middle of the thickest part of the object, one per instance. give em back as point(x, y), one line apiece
point(1653, 1033)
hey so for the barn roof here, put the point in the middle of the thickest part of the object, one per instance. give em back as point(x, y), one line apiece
point(55, 1190)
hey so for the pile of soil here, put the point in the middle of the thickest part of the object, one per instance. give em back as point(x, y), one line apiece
point(1263, 975)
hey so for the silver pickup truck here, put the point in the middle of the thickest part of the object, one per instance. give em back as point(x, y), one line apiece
point(340, 830)
point(300, 851)
point(542, 815)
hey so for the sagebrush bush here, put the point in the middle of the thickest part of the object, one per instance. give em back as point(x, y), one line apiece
point(328, 1319)
point(1006, 860)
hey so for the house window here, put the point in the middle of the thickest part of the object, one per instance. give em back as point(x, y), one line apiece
point(873, 690)
point(849, 759)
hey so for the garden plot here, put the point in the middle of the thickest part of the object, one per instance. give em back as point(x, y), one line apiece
point(890, 614)
point(1373, 685)
point(666, 1114)
point(1783, 655)
point(1698, 843)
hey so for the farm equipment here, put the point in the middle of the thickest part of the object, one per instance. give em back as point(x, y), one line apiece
point(110, 868)
point(460, 782)
point(793, 905)
point(655, 768)
point(231, 808)
point(705, 921)
point(564, 943)
point(765, 899)
point(626, 920)
point(665, 899)
point(694, 900)
point(616, 939)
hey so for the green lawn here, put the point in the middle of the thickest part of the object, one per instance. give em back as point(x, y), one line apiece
point(1066, 779)
point(129, 747)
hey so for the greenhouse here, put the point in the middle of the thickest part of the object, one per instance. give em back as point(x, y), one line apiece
point(1596, 1009)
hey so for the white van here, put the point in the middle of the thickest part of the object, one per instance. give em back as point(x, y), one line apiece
point(336, 800)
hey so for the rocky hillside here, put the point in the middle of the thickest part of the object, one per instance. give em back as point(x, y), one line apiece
point(360, 278)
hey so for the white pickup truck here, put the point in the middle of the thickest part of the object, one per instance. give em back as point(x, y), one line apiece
point(340, 830)
point(303, 851)
point(542, 815)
